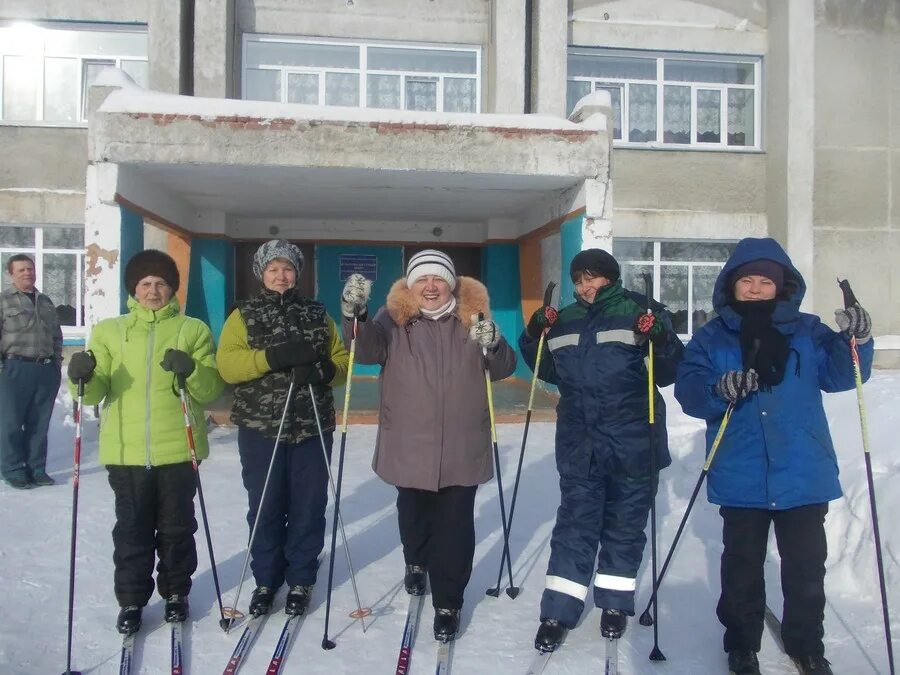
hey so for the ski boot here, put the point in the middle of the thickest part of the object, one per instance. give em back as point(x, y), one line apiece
point(261, 600)
point(813, 665)
point(176, 608)
point(612, 623)
point(297, 600)
point(446, 624)
point(550, 635)
point(743, 662)
point(414, 580)
point(129, 621)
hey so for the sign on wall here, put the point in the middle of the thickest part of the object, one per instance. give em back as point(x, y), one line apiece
point(358, 263)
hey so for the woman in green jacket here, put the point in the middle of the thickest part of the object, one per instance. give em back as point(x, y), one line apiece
point(133, 365)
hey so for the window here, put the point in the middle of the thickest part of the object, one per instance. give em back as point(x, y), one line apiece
point(367, 75)
point(46, 69)
point(684, 274)
point(58, 254)
point(694, 101)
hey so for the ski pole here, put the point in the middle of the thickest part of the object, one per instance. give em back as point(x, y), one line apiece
point(656, 653)
point(646, 618)
point(512, 591)
point(850, 301)
point(326, 643)
point(189, 432)
point(262, 499)
point(76, 471)
point(360, 612)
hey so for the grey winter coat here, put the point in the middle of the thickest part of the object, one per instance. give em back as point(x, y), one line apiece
point(434, 427)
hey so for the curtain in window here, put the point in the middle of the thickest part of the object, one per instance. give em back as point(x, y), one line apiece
point(641, 113)
point(740, 117)
point(421, 93)
point(459, 94)
point(383, 91)
point(676, 114)
point(303, 88)
point(342, 89)
point(709, 116)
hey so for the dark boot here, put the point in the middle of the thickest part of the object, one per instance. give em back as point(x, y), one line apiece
point(297, 600)
point(550, 635)
point(176, 608)
point(261, 600)
point(613, 623)
point(19, 483)
point(446, 624)
point(813, 665)
point(129, 620)
point(743, 662)
point(41, 479)
point(414, 580)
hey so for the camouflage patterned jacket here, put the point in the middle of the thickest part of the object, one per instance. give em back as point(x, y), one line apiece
point(260, 394)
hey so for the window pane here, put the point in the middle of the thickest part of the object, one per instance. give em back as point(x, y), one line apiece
point(91, 70)
point(740, 117)
point(95, 43)
point(615, 94)
point(631, 276)
point(422, 60)
point(708, 71)
point(641, 113)
point(303, 88)
point(619, 67)
point(263, 85)
point(5, 281)
point(421, 93)
point(17, 237)
point(676, 114)
point(704, 283)
point(21, 75)
point(61, 89)
point(64, 237)
point(383, 91)
point(138, 70)
point(342, 89)
point(575, 91)
point(709, 116)
point(696, 251)
point(632, 249)
point(61, 282)
point(312, 55)
point(459, 94)
point(673, 293)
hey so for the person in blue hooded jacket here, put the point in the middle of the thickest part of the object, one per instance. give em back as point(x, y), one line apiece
point(776, 462)
point(596, 356)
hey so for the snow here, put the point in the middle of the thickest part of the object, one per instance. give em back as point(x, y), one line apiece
point(497, 632)
point(887, 342)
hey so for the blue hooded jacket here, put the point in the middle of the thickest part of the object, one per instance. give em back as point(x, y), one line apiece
point(777, 451)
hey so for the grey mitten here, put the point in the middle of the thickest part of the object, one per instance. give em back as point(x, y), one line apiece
point(355, 296)
point(855, 322)
point(737, 384)
point(485, 332)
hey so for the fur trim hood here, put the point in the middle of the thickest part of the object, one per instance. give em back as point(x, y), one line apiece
point(471, 298)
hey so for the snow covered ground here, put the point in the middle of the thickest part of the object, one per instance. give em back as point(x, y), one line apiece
point(497, 632)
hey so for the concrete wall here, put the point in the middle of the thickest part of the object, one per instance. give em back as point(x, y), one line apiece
point(857, 156)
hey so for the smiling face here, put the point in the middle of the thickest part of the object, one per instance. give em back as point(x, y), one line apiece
point(754, 287)
point(431, 292)
point(153, 293)
point(23, 277)
point(587, 286)
point(279, 275)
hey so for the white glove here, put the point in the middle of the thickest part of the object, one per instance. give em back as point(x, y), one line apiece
point(485, 332)
point(355, 296)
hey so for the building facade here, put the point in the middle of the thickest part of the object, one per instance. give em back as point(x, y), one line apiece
point(367, 129)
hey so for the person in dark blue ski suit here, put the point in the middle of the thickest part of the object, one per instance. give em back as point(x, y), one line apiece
point(597, 348)
point(776, 462)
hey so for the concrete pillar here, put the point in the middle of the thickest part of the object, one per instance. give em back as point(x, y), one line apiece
point(214, 62)
point(165, 45)
point(549, 54)
point(103, 245)
point(507, 58)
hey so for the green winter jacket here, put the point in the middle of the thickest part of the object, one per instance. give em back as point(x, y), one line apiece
point(141, 421)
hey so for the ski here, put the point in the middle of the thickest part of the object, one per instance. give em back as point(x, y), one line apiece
point(444, 653)
point(177, 652)
point(539, 662)
point(611, 663)
point(244, 643)
point(127, 655)
point(284, 642)
point(409, 633)
point(774, 625)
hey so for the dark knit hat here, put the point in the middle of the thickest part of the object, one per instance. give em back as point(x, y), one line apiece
point(596, 262)
point(151, 263)
point(762, 267)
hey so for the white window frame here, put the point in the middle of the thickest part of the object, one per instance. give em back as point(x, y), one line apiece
point(37, 253)
point(44, 53)
point(363, 71)
point(661, 82)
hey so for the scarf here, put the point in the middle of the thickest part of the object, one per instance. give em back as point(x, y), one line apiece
point(435, 314)
point(772, 352)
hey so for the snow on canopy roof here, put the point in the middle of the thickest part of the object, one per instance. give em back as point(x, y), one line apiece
point(130, 98)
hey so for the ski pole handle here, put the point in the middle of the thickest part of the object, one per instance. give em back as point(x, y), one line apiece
point(548, 293)
point(849, 297)
point(648, 289)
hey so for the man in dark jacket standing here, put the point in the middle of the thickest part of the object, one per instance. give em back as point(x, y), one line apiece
point(30, 358)
point(597, 349)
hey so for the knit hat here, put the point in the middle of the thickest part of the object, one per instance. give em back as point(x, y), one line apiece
point(430, 263)
point(762, 267)
point(276, 248)
point(597, 262)
point(151, 263)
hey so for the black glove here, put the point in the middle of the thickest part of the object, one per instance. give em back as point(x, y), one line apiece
point(178, 362)
point(544, 317)
point(855, 322)
point(81, 366)
point(314, 373)
point(736, 384)
point(291, 353)
point(648, 327)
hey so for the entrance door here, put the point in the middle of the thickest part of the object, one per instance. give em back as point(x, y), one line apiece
point(466, 259)
point(246, 285)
